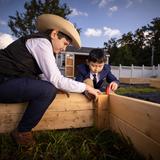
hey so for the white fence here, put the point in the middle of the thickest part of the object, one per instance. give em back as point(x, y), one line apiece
point(136, 71)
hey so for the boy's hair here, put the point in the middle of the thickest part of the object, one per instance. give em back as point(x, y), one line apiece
point(60, 35)
point(97, 56)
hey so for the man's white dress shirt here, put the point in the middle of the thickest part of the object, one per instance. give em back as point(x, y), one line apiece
point(41, 50)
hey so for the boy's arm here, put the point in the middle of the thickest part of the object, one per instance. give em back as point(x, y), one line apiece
point(79, 76)
point(110, 78)
point(114, 82)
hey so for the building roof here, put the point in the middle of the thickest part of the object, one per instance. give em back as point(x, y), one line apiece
point(81, 50)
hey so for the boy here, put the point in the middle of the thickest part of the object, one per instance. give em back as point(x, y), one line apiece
point(24, 60)
point(96, 72)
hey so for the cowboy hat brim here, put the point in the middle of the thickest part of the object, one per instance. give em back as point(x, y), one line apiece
point(50, 21)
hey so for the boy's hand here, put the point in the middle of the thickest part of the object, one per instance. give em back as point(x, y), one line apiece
point(113, 86)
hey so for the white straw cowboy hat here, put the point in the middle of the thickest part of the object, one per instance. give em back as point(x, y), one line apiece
point(50, 21)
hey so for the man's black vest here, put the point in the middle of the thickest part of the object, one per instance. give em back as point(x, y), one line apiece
point(15, 60)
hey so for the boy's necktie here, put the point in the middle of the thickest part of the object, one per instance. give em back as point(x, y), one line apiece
point(94, 80)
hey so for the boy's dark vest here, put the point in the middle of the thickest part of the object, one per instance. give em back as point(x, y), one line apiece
point(15, 60)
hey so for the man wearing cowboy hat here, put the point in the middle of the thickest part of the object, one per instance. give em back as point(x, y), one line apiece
point(25, 59)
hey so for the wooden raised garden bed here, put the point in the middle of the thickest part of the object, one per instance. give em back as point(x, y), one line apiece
point(135, 119)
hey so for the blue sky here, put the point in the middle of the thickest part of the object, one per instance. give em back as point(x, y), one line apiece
point(99, 20)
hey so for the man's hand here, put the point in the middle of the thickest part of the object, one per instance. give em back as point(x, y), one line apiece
point(92, 91)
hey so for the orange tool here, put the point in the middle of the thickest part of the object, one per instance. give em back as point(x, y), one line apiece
point(108, 90)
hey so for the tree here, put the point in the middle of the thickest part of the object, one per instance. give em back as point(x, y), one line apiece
point(111, 48)
point(137, 48)
point(154, 28)
point(24, 23)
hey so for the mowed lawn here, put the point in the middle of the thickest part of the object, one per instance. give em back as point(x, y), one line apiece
point(71, 144)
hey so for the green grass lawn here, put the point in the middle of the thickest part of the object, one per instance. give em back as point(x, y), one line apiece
point(71, 144)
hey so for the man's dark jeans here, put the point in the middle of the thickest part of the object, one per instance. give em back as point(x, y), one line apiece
point(38, 93)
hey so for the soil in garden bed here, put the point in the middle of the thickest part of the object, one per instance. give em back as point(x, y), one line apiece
point(71, 144)
point(152, 96)
point(140, 91)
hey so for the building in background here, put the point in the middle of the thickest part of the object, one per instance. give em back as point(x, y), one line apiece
point(68, 60)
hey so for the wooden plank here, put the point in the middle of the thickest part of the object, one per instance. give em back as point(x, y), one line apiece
point(73, 106)
point(155, 82)
point(8, 122)
point(76, 101)
point(14, 108)
point(69, 119)
point(143, 115)
point(128, 80)
point(139, 80)
point(61, 103)
point(101, 112)
point(51, 120)
point(145, 145)
point(124, 80)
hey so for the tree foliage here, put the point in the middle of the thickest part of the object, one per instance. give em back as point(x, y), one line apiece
point(24, 23)
point(137, 48)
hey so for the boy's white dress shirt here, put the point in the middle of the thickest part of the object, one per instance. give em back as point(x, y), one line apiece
point(97, 76)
